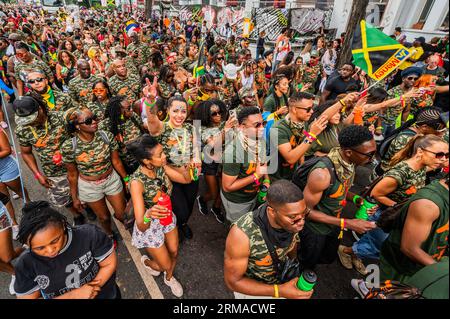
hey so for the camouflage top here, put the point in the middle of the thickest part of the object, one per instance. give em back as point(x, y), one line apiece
point(260, 265)
point(80, 89)
point(129, 87)
point(98, 109)
point(92, 158)
point(152, 187)
point(129, 132)
point(408, 181)
point(416, 103)
point(396, 145)
point(310, 75)
point(143, 50)
point(260, 80)
point(131, 66)
point(46, 141)
point(177, 143)
point(21, 69)
point(167, 90)
point(189, 64)
point(78, 54)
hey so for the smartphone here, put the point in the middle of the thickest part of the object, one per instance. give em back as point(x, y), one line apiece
point(233, 113)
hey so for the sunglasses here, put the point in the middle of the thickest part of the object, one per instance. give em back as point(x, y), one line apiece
point(89, 120)
point(307, 109)
point(220, 58)
point(258, 125)
point(215, 114)
point(412, 78)
point(369, 155)
point(38, 80)
point(20, 55)
point(96, 91)
point(438, 155)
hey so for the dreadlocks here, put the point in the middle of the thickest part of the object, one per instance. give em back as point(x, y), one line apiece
point(36, 216)
point(114, 113)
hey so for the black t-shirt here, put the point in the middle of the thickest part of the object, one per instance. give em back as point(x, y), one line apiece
point(189, 29)
point(337, 86)
point(78, 262)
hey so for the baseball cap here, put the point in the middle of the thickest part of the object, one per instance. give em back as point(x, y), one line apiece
point(420, 39)
point(26, 109)
point(314, 53)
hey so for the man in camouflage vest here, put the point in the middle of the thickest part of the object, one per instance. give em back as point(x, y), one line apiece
point(311, 71)
point(249, 267)
point(55, 100)
point(80, 87)
point(123, 83)
point(143, 50)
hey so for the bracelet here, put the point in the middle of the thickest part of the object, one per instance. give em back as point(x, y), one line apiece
point(379, 128)
point(355, 198)
point(276, 292)
point(341, 234)
point(37, 175)
point(256, 179)
point(344, 106)
point(190, 102)
point(149, 104)
point(309, 135)
point(126, 179)
point(266, 181)
point(146, 220)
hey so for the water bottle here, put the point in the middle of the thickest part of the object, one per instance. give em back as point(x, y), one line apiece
point(165, 201)
point(262, 194)
point(368, 204)
point(307, 280)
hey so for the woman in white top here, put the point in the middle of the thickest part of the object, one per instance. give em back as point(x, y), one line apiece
point(306, 52)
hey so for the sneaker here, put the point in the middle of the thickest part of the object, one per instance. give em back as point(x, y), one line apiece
point(15, 231)
point(90, 214)
point(11, 285)
point(186, 231)
point(15, 196)
point(152, 271)
point(359, 265)
point(346, 259)
point(217, 212)
point(79, 220)
point(202, 206)
point(360, 286)
point(174, 285)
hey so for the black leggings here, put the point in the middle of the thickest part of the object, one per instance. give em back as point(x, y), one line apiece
point(183, 199)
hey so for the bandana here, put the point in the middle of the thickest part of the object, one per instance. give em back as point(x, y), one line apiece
point(296, 128)
point(49, 97)
point(255, 148)
point(344, 171)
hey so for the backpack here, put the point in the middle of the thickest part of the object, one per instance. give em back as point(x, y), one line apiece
point(102, 133)
point(384, 147)
point(394, 290)
point(300, 176)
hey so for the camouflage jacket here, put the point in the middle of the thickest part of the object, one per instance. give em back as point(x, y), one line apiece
point(143, 50)
point(21, 69)
point(130, 87)
point(92, 158)
point(80, 89)
point(46, 141)
point(310, 75)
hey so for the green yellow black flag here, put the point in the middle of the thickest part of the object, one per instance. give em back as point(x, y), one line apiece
point(375, 52)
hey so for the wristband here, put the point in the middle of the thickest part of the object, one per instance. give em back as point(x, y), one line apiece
point(190, 102)
point(146, 220)
point(344, 106)
point(149, 104)
point(276, 292)
point(341, 234)
point(126, 179)
point(379, 128)
point(256, 179)
point(266, 181)
point(37, 175)
point(355, 198)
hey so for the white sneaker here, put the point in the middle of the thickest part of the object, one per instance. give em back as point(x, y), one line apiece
point(11, 285)
point(360, 286)
point(15, 231)
point(15, 196)
point(174, 285)
point(152, 271)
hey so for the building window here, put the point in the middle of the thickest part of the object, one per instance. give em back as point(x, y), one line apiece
point(424, 15)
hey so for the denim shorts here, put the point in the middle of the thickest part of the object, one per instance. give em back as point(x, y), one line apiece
point(9, 170)
point(5, 219)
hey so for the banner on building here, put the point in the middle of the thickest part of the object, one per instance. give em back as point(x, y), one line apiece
point(375, 52)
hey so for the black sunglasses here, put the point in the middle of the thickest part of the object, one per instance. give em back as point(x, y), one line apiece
point(412, 78)
point(438, 155)
point(219, 58)
point(369, 155)
point(38, 80)
point(215, 114)
point(89, 120)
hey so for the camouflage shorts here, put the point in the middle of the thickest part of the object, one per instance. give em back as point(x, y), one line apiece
point(59, 193)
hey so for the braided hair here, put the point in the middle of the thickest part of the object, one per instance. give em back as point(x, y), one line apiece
point(71, 119)
point(36, 216)
point(114, 113)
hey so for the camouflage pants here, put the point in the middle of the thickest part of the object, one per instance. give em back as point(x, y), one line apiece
point(59, 192)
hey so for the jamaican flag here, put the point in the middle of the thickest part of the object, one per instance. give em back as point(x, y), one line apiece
point(199, 69)
point(375, 52)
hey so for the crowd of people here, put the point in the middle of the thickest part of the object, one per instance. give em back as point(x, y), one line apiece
point(139, 118)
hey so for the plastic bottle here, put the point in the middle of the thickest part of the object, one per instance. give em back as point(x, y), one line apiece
point(358, 116)
point(165, 201)
point(262, 193)
point(368, 204)
point(307, 280)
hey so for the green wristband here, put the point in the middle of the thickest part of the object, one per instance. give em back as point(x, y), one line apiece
point(126, 179)
point(147, 220)
point(266, 181)
point(190, 102)
point(355, 198)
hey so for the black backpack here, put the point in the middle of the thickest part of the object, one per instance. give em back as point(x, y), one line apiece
point(384, 147)
point(300, 177)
